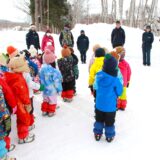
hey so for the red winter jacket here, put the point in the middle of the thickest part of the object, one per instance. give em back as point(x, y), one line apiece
point(20, 89)
point(45, 40)
point(8, 94)
point(126, 71)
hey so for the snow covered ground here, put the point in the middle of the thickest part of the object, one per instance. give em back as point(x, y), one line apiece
point(69, 136)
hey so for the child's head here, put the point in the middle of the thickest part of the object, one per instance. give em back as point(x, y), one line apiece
point(66, 52)
point(26, 53)
point(12, 51)
point(48, 56)
point(32, 50)
point(121, 52)
point(100, 52)
point(18, 64)
point(95, 47)
point(110, 65)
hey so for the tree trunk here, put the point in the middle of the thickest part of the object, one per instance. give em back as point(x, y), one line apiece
point(36, 13)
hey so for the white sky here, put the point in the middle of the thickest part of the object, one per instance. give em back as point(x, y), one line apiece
point(8, 10)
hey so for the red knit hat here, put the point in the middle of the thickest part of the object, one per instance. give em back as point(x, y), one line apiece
point(12, 51)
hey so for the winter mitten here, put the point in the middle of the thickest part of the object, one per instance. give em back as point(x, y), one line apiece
point(28, 108)
point(7, 123)
point(41, 87)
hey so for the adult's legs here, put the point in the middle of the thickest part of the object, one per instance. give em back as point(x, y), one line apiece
point(148, 56)
point(144, 55)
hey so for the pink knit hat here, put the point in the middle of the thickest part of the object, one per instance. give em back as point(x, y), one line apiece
point(49, 57)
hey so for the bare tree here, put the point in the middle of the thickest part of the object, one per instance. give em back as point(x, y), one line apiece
point(121, 9)
point(114, 10)
point(104, 6)
point(132, 13)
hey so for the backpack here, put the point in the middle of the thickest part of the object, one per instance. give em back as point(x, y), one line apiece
point(67, 38)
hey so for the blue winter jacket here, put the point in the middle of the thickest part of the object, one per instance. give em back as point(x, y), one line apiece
point(108, 88)
point(51, 78)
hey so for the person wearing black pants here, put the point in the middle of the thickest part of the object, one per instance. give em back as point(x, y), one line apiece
point(83, 45)
point(147, 39)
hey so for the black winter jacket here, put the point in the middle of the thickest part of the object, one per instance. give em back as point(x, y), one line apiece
point(147, 39)
point(32, 38)
point(82, 43)
point(118, 37)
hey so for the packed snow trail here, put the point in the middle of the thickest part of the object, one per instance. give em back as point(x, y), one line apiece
point(68, 135)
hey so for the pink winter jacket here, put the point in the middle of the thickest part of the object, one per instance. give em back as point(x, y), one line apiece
point(45, 40)
point(126, 71)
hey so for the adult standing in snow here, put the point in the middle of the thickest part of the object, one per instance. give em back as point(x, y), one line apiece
point(32, 37)
point(47, 38)
point(83, 45)
point(66, 37)
point(118, 35)
point(147, 40)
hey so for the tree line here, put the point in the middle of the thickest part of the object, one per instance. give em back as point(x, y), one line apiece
point(55, 13)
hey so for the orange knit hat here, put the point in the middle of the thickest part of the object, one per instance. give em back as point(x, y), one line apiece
point(66, 52)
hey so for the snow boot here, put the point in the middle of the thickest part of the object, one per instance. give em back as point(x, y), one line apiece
point(28, 139)
point(44, 114)
point(12, 147)
point(31, 127)
point(51, 114)
point(110, 139)
point(97, 137)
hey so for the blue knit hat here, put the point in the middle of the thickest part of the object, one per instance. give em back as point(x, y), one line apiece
point(110, 65)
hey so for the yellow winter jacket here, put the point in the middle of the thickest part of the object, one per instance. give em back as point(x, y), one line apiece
point(96, 67)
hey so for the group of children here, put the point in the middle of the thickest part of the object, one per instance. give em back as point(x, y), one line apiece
point(24, 74)
point(109, 77)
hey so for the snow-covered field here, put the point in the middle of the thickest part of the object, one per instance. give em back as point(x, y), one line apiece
point(69, 136)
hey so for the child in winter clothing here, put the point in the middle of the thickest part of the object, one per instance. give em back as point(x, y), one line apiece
point(126, 73)
point(66, 66)
point(52, 80)
point(50, 47)
point(108, 87)
point(95, 47)
point(16, 81)
point(5, 124)
point(11, 106)
point(75, 67)
point(96, 66)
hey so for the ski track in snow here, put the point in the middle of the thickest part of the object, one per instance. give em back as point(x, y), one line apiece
point(68, 135)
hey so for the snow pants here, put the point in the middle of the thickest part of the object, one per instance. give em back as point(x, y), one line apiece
point(122, 100)
point(68, 89)
point(104, 120)
point(49, 104)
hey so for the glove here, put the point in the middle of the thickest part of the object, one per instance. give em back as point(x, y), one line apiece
point(41, 87)
point(28, 108)
point(7, 123)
